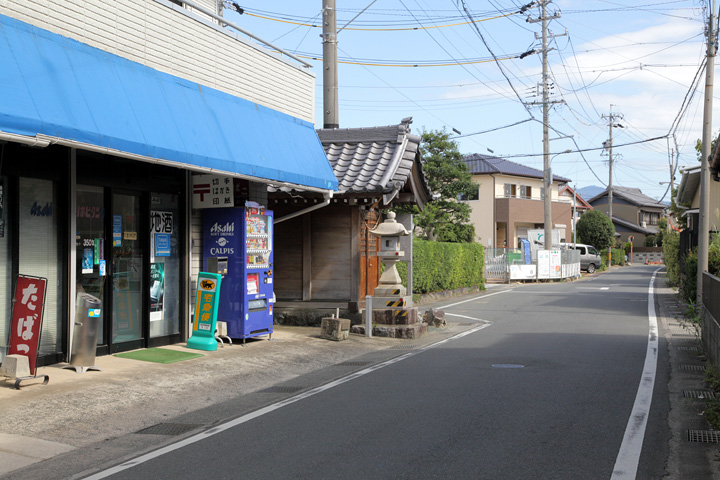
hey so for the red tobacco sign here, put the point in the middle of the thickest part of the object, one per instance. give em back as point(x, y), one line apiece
point(27, 315)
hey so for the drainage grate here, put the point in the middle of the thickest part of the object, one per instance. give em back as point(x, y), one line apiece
point(403, 347)
point(169, 429)
point(686, 335)
point(704, 436)
point(281, 389)
point(675, 324)
point(353, 364)
point(701, 394)
point(688, 349)
point(693, 368)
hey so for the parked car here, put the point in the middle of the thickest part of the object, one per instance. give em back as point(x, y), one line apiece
point(589, 257)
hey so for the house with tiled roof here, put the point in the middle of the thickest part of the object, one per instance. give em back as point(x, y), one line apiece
point(510, 201)
point(634, 213)
point(580, 205)
point(325, 256)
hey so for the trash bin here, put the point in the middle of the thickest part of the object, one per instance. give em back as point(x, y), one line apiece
point(84, 343)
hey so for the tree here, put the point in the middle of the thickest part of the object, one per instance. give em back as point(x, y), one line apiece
point(596, 229)
point(651, 241)
point(445, 219)
point(677, 210)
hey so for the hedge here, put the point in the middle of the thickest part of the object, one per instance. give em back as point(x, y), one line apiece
point(439, 266)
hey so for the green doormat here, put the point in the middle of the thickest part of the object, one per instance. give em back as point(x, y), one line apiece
point(159, 355)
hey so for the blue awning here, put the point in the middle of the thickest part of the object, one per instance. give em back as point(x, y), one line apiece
point(56, 87)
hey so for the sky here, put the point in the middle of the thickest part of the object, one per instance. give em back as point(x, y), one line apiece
point(641, 60)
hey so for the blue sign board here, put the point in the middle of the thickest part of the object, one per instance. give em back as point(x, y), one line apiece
point(117, 230)
point(162, 244)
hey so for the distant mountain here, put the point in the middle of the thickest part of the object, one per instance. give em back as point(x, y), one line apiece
point(589, 192)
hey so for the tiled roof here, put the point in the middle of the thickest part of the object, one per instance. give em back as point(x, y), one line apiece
point(632, 195)
point(480, 164)
point(568, 191)
point(373, 160)
point(651, 230)
point(688, 185)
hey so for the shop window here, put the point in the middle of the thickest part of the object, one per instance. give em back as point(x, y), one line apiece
point(39, 254)
point(164, 265)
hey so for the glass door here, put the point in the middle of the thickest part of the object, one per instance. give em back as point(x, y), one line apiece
point(127, 270)
point(90, 237)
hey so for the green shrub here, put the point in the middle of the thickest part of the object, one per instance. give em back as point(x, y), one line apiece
point(688, 277)
point(439, 266)
point(671, 252)
point(618, 256)
point(712, 410)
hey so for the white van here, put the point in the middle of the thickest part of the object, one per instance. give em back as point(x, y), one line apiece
point(589, 256)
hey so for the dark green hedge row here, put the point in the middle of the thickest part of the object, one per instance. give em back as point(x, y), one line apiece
point(439, 266)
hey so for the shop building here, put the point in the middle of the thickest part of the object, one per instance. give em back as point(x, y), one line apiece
point(109, 113)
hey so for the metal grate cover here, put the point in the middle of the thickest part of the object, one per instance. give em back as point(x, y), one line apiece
point(688, 349)
point(403, 347)
point(704, 436)
point(701, 394)
point(693, 368)
point(168, 429)
point(353, 364)
point(281, 389)
point(686, 335)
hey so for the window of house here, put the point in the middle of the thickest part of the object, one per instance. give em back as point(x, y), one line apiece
point(525, 191)
point(510, 190)
point(475, 195)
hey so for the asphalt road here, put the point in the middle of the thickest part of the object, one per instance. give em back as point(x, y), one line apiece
point(543, 388)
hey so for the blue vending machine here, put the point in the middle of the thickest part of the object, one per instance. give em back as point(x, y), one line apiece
point(238, 244)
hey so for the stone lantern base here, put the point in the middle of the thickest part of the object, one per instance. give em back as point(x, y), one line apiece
point(393, 319)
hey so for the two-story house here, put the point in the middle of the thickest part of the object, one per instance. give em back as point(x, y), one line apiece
point(634, 213)
point(580, 206)
point(110, 110)
point(510, 201)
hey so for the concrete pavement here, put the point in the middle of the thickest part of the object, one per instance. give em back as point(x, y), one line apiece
point(76, 411)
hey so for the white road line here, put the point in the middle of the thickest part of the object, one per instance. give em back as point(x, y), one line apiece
point(475, 299)
point(628, 458)
point(275, 406)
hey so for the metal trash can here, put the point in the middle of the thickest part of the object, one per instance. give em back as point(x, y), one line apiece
point(84, 343)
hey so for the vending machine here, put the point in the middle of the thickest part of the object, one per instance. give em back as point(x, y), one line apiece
point(238, 244)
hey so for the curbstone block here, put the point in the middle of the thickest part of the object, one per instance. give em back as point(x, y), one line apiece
point(15, 366)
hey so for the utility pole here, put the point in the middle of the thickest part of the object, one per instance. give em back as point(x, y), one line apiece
point(703, 230)
point(547, 177)
point(330, 78)
point(609, 146)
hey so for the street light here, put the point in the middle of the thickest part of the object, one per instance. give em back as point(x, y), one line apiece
point(548, 181)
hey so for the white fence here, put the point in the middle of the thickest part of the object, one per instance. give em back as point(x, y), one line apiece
point(506, 265)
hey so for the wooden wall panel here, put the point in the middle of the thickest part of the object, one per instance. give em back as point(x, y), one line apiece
point(331, 253)
point(287, 269)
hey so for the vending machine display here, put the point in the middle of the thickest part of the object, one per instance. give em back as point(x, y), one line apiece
point(238, 244)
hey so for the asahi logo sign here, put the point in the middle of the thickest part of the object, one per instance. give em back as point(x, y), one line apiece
point(222, 231)
point(228, 229)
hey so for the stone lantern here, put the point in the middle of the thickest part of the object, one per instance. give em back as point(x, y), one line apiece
point(390, 232)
